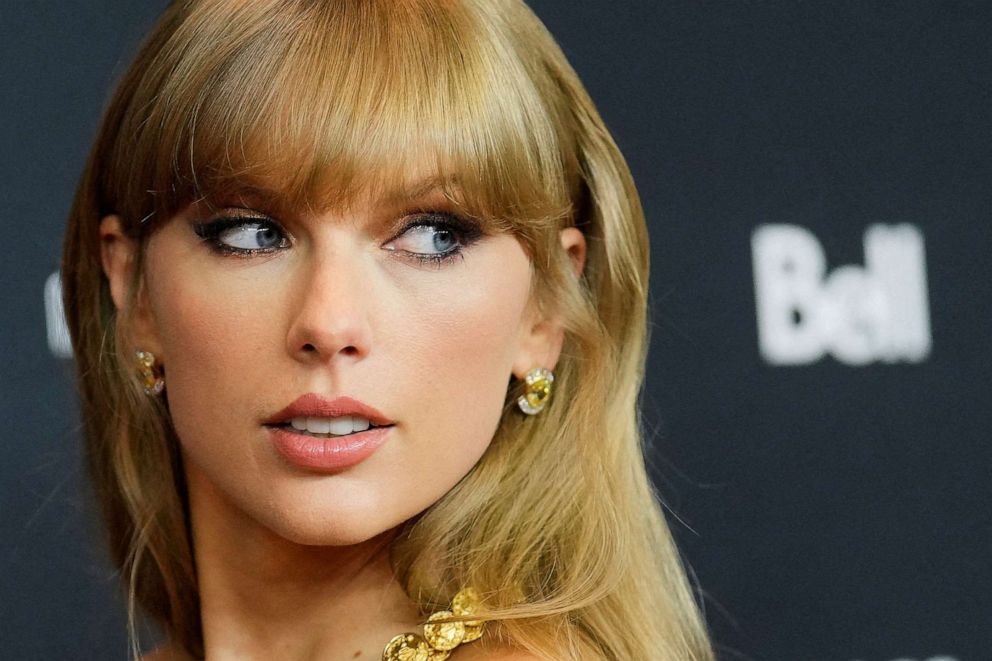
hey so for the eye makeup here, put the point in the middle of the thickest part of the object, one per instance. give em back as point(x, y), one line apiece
point(244, 234)
point(465, 231)
point(235, 233)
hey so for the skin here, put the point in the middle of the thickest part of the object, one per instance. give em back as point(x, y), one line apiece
point(293, 563)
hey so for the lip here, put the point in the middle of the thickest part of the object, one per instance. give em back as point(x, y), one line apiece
point(327, 454)
point(332, 453)
point(312, 404)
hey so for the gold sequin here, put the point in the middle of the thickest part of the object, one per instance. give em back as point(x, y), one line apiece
point(467, 602)
point(439, 637)
point(407, 647)
point(445, 635)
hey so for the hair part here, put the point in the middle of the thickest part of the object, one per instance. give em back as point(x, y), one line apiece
point(316, 105)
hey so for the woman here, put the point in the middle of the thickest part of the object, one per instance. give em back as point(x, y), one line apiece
point(357, 291)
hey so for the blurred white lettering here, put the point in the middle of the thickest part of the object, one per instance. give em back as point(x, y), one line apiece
point(858, 314)
point(58, 332)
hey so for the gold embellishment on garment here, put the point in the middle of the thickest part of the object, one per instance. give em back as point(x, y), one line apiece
point(467, 602)
point(439, 637)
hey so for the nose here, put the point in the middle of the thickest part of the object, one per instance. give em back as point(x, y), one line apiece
point(330, 318)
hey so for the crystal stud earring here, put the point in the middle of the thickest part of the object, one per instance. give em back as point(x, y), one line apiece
point(152, 379)
point(539, 382)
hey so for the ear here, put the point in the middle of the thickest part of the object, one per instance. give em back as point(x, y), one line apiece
point(543, 339)
point(118, 254)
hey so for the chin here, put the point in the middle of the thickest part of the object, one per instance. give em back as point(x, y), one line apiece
point(329, 537)
point(329, 529)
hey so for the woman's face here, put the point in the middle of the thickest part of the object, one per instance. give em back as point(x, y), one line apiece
point(416, 314)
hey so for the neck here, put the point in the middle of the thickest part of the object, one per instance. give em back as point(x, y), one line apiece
point(265, 597)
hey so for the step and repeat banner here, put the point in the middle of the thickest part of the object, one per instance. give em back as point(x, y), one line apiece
point(817, 178)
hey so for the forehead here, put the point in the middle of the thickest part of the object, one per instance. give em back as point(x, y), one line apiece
point(319, 106)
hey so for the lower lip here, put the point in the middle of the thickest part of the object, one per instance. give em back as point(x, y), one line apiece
point(327, 454)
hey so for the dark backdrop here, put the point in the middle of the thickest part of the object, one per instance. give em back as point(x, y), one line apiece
point(816, 179)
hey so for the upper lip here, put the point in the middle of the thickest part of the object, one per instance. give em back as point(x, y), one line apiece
point(313, 405)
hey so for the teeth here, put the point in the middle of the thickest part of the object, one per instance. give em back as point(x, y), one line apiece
point(334, 426)
point(319, 425)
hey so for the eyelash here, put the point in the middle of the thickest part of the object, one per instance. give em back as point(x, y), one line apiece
point(465, 231)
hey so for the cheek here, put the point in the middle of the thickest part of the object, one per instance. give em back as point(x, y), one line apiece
point(223, 322)
point(215, 340)
point(462, 346)
point(468, 337)
point(467, 324)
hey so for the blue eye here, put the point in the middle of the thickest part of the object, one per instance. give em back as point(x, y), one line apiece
point(243, 236)
point(432, 238)
point(436, 237)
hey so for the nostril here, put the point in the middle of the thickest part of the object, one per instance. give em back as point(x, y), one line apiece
point(350, 349)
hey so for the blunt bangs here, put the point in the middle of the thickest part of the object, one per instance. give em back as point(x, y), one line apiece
point(320, 104)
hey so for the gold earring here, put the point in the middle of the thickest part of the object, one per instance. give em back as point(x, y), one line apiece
point(151, 374)
point(539, 382)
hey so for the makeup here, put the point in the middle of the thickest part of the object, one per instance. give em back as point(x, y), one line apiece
point(328, 454)
point(301, 432)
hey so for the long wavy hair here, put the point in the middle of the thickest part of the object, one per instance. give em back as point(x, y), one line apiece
point(557, 525)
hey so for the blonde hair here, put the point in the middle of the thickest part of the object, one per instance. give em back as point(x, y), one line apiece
point(557, 525)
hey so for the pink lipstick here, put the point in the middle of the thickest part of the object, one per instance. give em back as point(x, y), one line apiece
point(319, 451)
